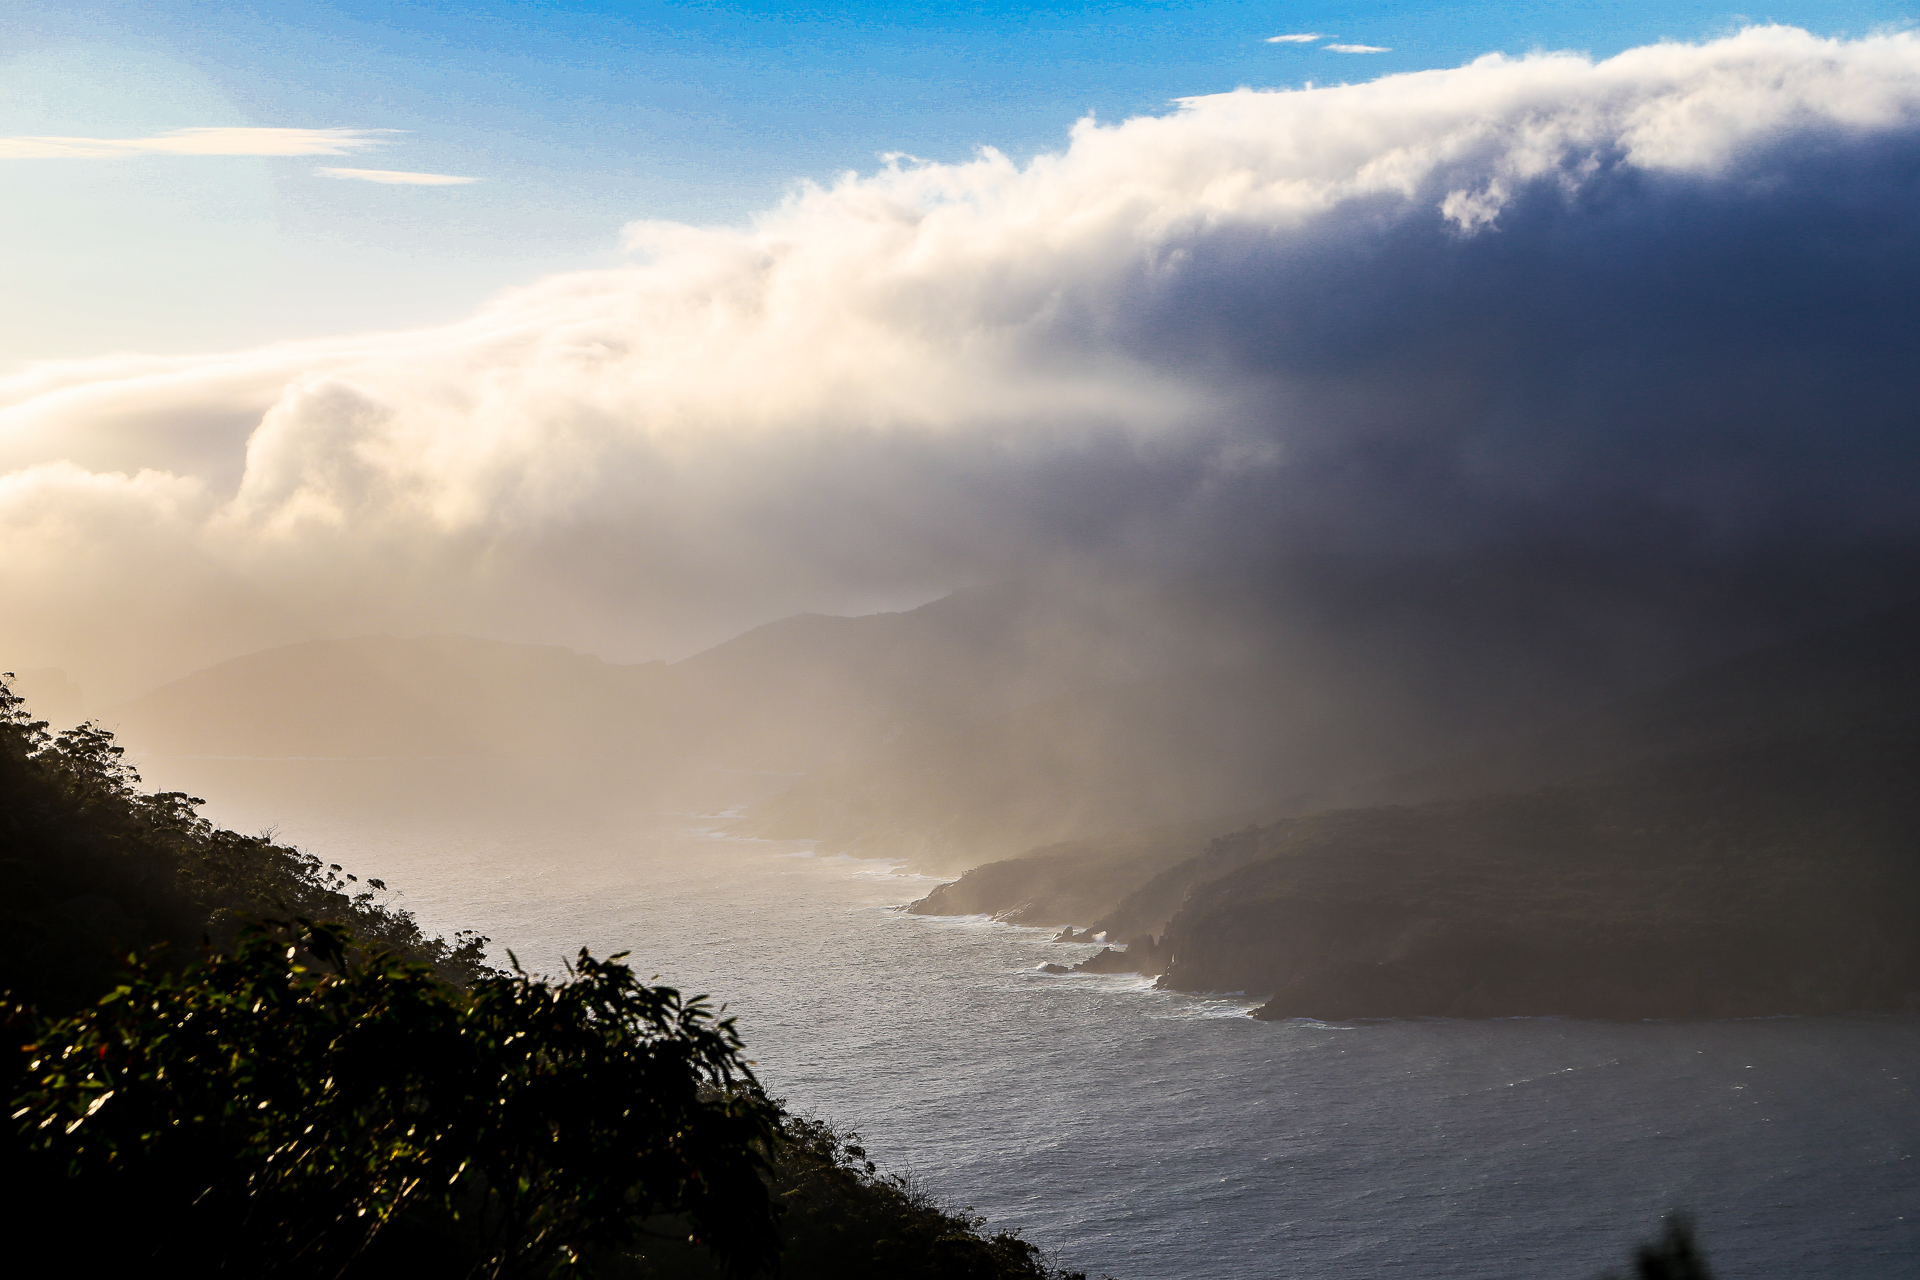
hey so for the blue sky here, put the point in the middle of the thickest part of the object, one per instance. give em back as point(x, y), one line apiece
point(574, 118)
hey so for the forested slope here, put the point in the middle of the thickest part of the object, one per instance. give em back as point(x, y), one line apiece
point(90, 865)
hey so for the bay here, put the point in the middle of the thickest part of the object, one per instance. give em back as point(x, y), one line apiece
point(1146, 1134)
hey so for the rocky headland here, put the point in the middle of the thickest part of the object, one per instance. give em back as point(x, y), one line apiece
point(1743, 842)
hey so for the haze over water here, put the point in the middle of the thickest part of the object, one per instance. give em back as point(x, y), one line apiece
point(1153, 1135)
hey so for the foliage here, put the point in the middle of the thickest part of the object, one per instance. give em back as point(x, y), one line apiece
point(843, 1218)
point(273, 1110)
point(299, 1107)
point(1674, 1256)
point(847, 1220)
point(89, 863)
point(314, 1102)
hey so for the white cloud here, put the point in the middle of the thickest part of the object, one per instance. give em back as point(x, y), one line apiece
point(1359, 48)
point(1298, 37)
point(397, 178)
point(1440, 308)
point(199, 142)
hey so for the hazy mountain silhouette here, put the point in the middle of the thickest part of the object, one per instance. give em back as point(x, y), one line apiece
point(1301, 686)
point(377, 696)
point(1008, 716)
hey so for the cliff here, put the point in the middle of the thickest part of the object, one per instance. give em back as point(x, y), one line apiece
point(1771, 880)
point(1066, 883)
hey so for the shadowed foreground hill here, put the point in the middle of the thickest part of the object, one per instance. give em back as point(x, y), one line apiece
point(94, 868)
point(1744, 841)
point(89, 863)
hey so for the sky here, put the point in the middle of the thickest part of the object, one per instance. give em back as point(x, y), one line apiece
point(630, 329)
point(573, 119)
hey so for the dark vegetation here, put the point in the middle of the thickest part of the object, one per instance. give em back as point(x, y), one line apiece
point(1676, 1255)
point(233, 1061)
point(1744, 841)
point(89, 862)
point(292, 1108)
point(842, 1218)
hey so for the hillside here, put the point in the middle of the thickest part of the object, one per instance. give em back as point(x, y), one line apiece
point(1860, 679)
point(1751, 881)
point(92, 867)
point(1745, 840)
point(1069, 882)
point(1280, 690)
point(792, 694)
point(90, 864)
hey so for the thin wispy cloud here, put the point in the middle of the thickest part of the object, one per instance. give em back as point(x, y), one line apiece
point(1298, 37)
point(1359, 48)
point(396, 177)
point(212, 141)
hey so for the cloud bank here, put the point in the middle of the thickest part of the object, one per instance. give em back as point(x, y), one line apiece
point(1657, 306)
point(198, 142)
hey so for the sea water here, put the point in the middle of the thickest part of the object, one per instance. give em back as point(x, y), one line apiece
point(1152, 1135)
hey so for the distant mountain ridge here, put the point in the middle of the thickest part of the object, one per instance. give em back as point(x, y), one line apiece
point(1272, 693)
point(1009, 716)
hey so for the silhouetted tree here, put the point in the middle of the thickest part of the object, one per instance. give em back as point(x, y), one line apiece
point(1674, 1256)
point(90, 866)
point(274, 1109)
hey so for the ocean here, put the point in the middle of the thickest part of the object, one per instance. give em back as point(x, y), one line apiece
point(1144, 1134)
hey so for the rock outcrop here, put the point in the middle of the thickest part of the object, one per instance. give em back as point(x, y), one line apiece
point(1142, 955)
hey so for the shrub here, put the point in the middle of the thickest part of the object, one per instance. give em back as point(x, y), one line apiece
point(274, 1110)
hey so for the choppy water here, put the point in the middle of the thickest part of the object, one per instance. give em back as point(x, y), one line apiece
point(1156, 1136)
